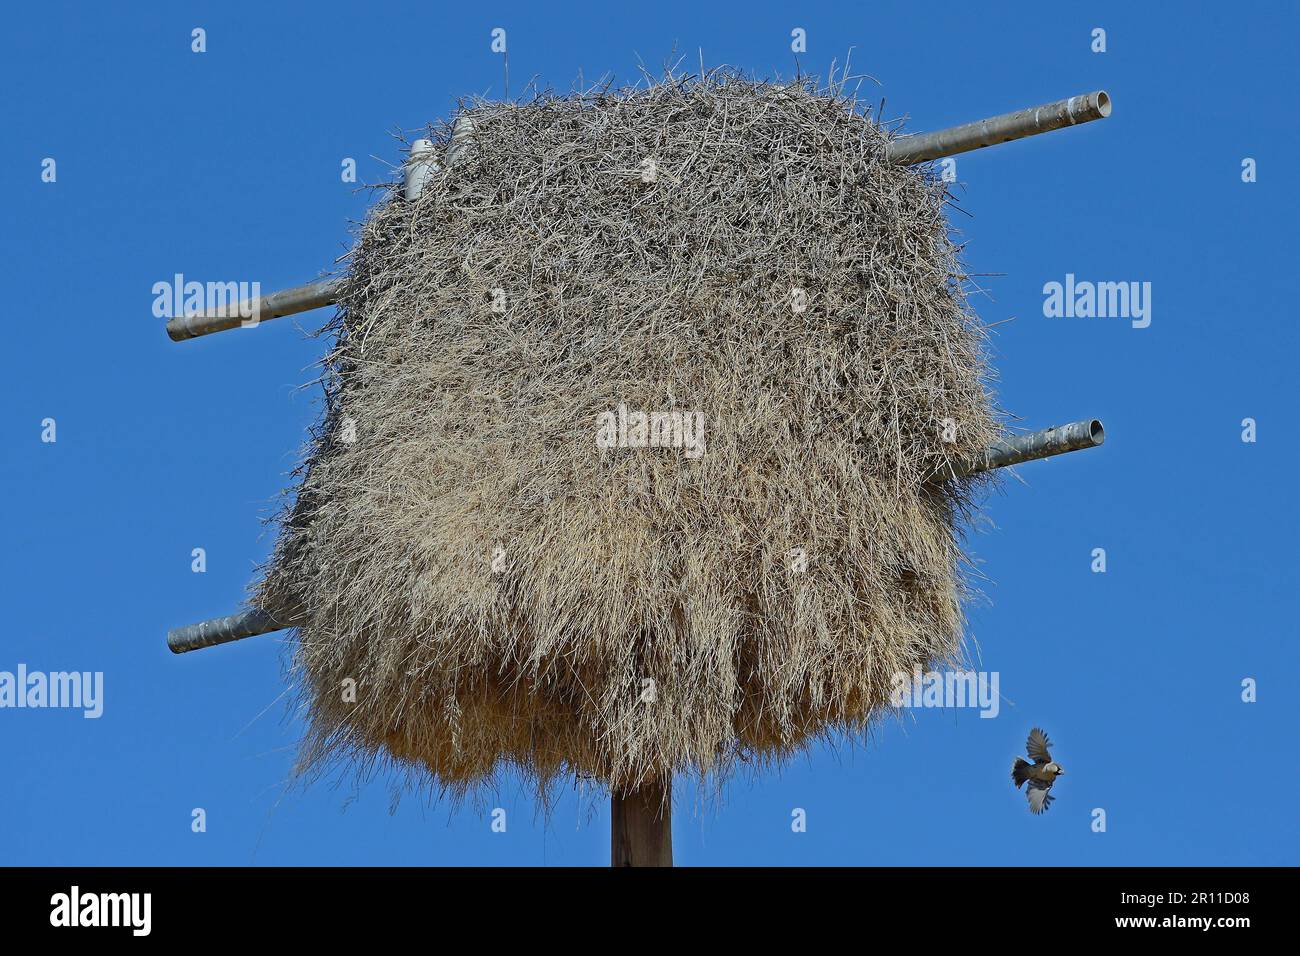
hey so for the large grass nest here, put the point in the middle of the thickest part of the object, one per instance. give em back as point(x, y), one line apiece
point(479, 581)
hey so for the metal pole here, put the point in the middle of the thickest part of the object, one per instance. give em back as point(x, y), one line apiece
point(923, 147)
point(221, 630)
point(420, 165)
point(1018, 449)
point(641, 825)
point(285, 302)
point(462, 140)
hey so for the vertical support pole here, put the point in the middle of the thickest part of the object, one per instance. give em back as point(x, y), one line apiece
point(420, 165)
point(641, 825)
point(423, 160)
point(462, 140)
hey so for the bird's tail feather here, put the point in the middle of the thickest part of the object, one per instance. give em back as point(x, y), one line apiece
point(1020, 771)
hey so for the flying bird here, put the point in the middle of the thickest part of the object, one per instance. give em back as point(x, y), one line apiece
point(1039, 775)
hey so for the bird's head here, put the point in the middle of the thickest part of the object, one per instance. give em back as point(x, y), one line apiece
point(1054, 768)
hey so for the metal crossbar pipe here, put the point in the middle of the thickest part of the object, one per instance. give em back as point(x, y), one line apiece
point(421, 164)
point(1018, 449)
point(1012, 451)
point(923, 147)
point(221, 630)
point(300, 298)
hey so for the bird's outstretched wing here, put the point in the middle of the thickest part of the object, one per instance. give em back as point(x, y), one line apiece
point(1039, 799)
point(1037, 746)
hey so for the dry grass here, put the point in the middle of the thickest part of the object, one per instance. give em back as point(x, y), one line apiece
point(476, 431)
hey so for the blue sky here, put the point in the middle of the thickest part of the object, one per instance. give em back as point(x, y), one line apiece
point(227, 164)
